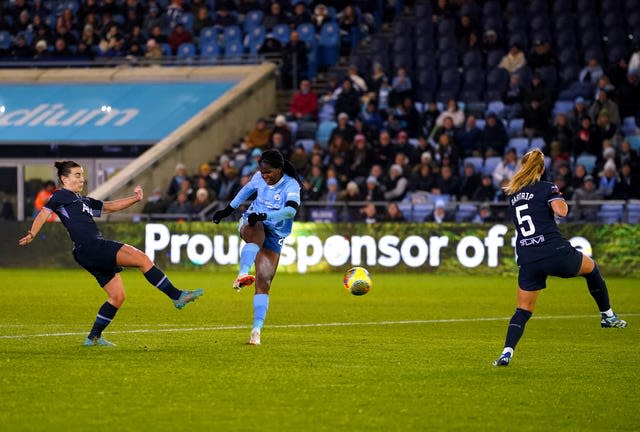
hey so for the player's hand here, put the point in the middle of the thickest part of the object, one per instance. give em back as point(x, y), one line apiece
point(138, 193)
point(26, 239)
point(256, 217)
point(221, 214)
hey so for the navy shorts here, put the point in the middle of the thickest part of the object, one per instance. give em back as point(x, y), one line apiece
point(272, 241)
point(99, 258)
point(564, 263)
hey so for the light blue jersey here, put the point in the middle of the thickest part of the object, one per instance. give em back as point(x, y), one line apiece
point(270, 198)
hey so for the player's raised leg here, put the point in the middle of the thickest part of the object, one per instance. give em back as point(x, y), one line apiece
point(254, 238)
point(598, 290)
point(526, 305)
point(128, 256)
point(266, 264)
point(107, 312)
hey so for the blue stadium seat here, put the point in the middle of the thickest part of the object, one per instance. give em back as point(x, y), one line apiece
point(629, 126)
point(421, 211)
point(473, 86)
point(407, 210)
point(209, 50)
point(494, 57)
point(465, 212)
point(562, 107)
point(446, 43)
point(537, 143)
point(252, 20)
point(186, 19)
point(402, 44)
point(329, 44)
point(610, 213)
point(446, 27)
point(516, 125)
point(490, 164)
point(588, 161)
point(449, 84)
point(520, 145)
point(208, 34)
point(186, 50)
point(477, 162)
point(166, 50)
point(324, 132)
point(233, 49)
point(307, 144)
point(472, 59)
point(281, 32)
point(255, 39)
point(496, 107)
point(634, 141)
point(5, 39)
point(633, 212)
point(448, 60)
point(232, 34)
point(403, 60)
point(423, 10)
point(307, 33)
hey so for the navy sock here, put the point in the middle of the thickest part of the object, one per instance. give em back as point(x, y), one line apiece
point(158, 279)
point(598, 289)
point(105, 315)
point(516, 327)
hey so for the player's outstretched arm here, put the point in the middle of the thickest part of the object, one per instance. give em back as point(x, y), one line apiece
point(560, 207)
point(123, 203)
point(37, 224)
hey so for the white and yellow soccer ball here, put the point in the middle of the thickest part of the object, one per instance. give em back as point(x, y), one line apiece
point(357, 281)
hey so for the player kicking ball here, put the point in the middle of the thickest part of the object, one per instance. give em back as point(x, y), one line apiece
point(264, 226)
point(542, 251)
point(102, 258)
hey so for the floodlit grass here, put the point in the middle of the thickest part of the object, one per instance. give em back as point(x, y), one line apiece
point(413, 354)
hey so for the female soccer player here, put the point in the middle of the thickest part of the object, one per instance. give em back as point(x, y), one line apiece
point(542, 251)
point(263, 227)
point(102, 258)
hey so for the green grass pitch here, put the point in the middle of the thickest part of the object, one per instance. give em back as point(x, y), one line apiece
point(413, 354)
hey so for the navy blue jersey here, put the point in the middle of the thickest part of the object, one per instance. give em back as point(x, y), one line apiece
point(537, 234)
point(76, 213)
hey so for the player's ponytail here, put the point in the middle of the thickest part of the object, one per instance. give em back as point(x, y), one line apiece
point(64, 168)
point(276, 160)
point(531, 169)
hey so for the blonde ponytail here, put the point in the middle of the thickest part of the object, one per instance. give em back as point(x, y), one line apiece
point(531, 169)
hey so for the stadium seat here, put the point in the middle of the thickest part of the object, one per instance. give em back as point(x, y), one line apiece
point(448, 60)
point(494, 57)
point(307, 33)
point(421, 211)
point(209, 50)
point(610, 213)
point(629, 126)
point(253, 19)
point(186, 50)
point(233, 49)
point(476, 161)
point(496, 107)
point(634, 140)
point(633, 212)
point(255, 39)
point(208, 34)
point(472, 59)
point(232, 34)
point(166, 50)
point(520, 145)
point(516, 125)
point(403, 60)
point(329, 44)
point(293, 128)
point(324, 132)
point(562, 107)
point(490, 164)
point(307, 144)
point(473, 86)
point(5, 40)
point(186, 19)
point(465, 212)
point(588, 161)
point(281, 32)
point(407, 210)
point(537, 143)
point(481, 123)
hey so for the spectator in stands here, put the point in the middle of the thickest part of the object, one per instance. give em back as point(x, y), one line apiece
point(275, 16)
point(584, 140)
point(446, 182)
point(586, 192)
point(320, 16)
point(258, 137)
point(442, 10)
point(536, 121)
point(397, 184)
point(539, 91)
point(89, 36)
point(469, 182)
point(224, 18)
point(332, 191)
point(465, 28)
point(485, 191)
point(42, 197)
point(202, 19)
point(313, 184)
point(299, 158)
point(154, 50)
point(603, 102)
point(577, 112)
point(577, 179)
point(383, 151)
point(175, 10)
point(359, 158)
point(369, 214)
point(401, 86)
point(384, 97)
point(181, 205)
point(484, 215)
point(176, 180)
point(349, 28)
point(304, 103)
point(560, 138)
point(506, 168)
point(393, 213)
point(154, 19)
point(351, 193)
point(178, 36)
point(629, 96)
point(61, 50)
point(424, 179)
point(300, 15)
point(627, 155)
point(20, 49)
point(514, 59)
point(513, 98)
point(229, 182)
point(372, 190)
point(446, 128)
point(628, 184)
point(201, 201)
point(403, 146)
point(271, 46)
point(371, 118)
point(41, 51)
point(540, 55)
point(453, 111)
point(494, 136)
point(294, 61)
point(429, 118)
point(344, 128)
point(604, 130)
point(440, 214)
point(375, 80)
point(469, 138)
point(158, 35)
point(282, 128)
point(348, 101)
point(608, 179)
point(359, 83)
point(62, 32)
point(591, 73)
point(156, 203)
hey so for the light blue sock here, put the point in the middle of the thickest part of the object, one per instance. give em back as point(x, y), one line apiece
point(247, 257)
point(260, 306)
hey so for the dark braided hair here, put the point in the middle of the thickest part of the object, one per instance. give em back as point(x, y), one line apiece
point(275, 159)
point(64, 168)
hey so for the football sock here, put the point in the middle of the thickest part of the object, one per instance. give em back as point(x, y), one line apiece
point(608, 313)
point(247, 257)
point(106, 313)
point(516, 327)
point(158, 279)
point(260, 306)
point(598, 289)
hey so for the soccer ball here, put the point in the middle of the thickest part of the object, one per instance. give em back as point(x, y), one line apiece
point(357, 281)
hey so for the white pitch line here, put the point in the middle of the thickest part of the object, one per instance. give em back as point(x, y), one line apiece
point(286, 326)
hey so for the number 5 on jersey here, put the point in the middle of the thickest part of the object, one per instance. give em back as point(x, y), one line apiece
point(530, 228)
